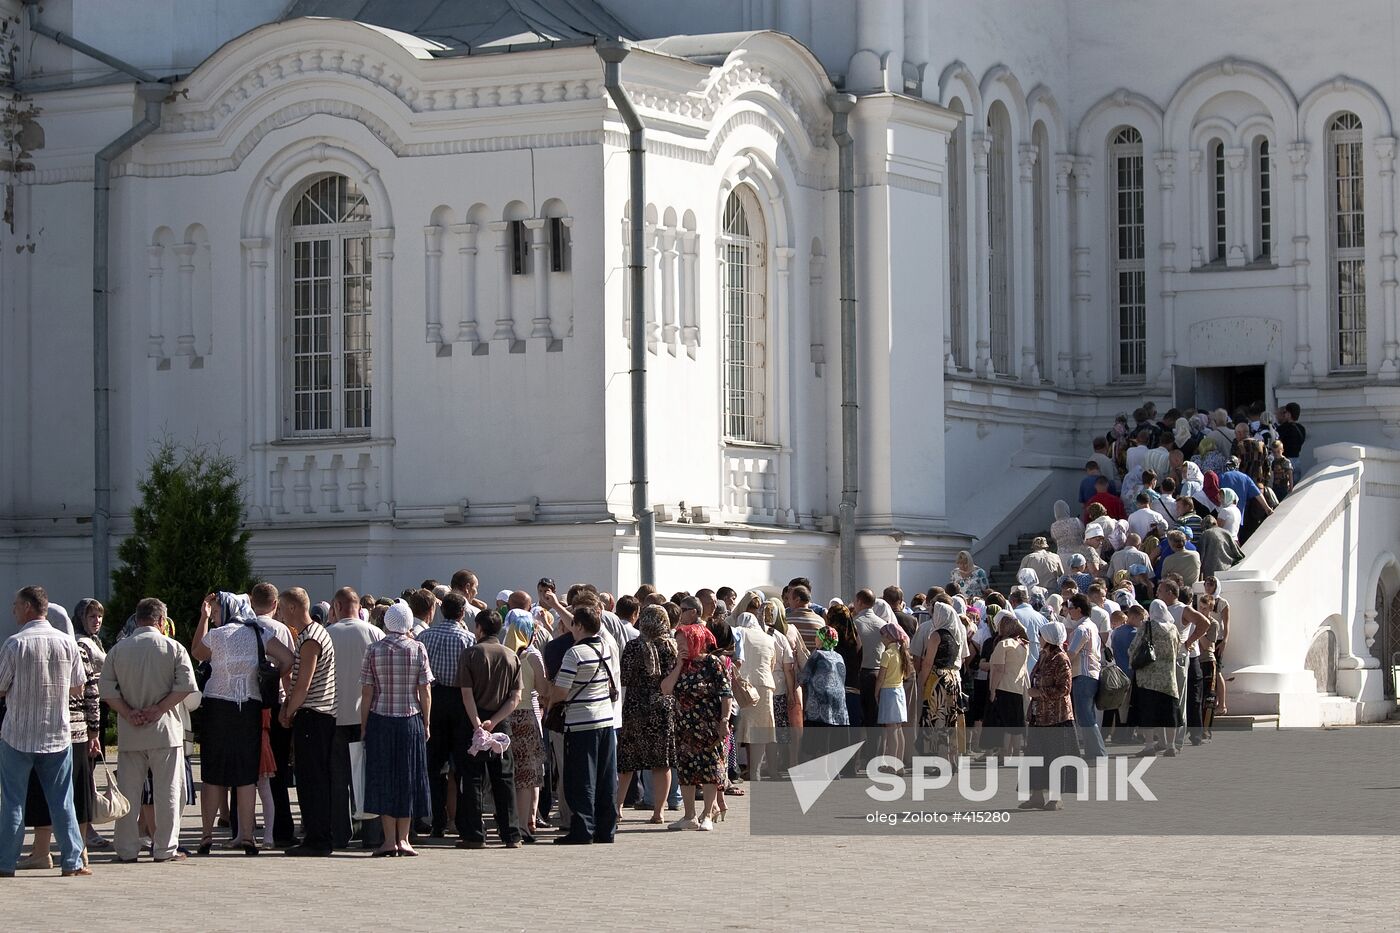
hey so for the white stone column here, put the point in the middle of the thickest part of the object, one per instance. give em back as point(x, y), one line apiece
point(816, 306)
point(155, 273)
point(466, 278)
point(184, 252)
point(1236, 220)
point(981, 148)
point(650, 240)
point(263, 424)
point(1026, 262)
point(432, 282)
point(1302, 350)
point(1198, 209)
point(381, 396)
point(878, 62)
point(1385, 157)
point(561, 313)
point(1166, 184)
point(785, 381)
point(666, 241)
point(539, 273)
point(505, 312)
point(1061, 266)
point(690, 292)
point(1083, 370)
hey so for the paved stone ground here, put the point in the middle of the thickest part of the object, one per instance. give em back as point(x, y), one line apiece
point(731, 880)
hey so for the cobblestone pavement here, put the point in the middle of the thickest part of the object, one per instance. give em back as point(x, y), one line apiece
point(731, 880)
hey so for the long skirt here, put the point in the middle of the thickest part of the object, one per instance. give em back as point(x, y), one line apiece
point(527, 746)
point(36, 806)
point(396, 767)
point(231, 742)
point(1049, 743)
point(1153, 709)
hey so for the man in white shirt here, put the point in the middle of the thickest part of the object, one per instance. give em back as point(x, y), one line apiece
point(1131, 553)
point(1086, 658)
point(40, 669)
point(350, 637)
point(1193, 626)
point(263, 598)
point(1145, 521)
point(464, 582)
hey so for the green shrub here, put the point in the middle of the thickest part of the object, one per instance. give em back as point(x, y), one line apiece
point(187, 538)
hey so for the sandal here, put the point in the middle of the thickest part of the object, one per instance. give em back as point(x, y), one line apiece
point(206, 845)
point(655, 818)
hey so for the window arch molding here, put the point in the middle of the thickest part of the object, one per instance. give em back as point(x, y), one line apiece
point(268, 205)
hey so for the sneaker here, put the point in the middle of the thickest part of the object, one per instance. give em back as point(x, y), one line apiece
point(688, 822)
point(513, 844)
point(97, 842)
point(37, 860)
point(706, 825)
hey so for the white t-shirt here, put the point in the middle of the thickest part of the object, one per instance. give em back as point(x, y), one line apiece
point(1091, 658)
point(1144, 521)
point(1178, 611)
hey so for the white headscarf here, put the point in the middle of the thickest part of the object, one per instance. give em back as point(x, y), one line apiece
point(58, 618)
point(1053, 632)
point(883, 612)
point(398, 619)
point(736, 618)
point(1061, 509)
point(1158, 612)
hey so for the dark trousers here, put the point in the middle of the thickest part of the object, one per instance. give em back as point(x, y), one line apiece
point(313, 738)
point(547, 780)
point(869, 697)
point(342, 826)
point(446, 728)
point(1193, 699)
point(476, 771)
point(284, 830)
point(590, 783)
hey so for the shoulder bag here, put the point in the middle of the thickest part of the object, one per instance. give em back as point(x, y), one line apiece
point(554, 719)
point(1113, 683)
point(269, 677)
point(110, 805)
point(1144, 653)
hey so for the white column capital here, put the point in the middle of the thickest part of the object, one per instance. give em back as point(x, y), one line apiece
point(1235, 158)
point(185, 251)
point(154, 256)
point(1165, 161)
point(383, 240)
point(1027, 154)
point(535, 223)
point(1385, 151)
point(981, 145)
point(1298, 155)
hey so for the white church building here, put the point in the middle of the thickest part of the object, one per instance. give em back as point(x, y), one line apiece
point(377, 251)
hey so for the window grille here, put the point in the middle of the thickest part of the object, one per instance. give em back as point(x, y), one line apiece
point(743, 290)
point(1346, 205)
point(1129, 253)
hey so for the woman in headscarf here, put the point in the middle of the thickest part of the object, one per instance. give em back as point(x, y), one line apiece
point(838, 619)
point(1051, 720)
point(940, 682)
point(1028, 578)
point(703, 698)
point(1210, 456)
point(787, 706)
point(395, 705)
point(1227, 516)
point(648, 739)
point(824, 694)
point(1152, 705)
point(1007, 667)
point(971, 579)
point(1067, 531)
point(231, 736)
point(759, 655)
point(523, 724)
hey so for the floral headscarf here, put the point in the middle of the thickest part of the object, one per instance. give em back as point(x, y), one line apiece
point(235, 607)
point(655, 626)
point(520, 630)
point(827, 638)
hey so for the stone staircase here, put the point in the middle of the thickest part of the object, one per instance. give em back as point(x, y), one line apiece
point(1003, 576)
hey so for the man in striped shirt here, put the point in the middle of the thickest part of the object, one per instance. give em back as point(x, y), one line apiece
point(309, 712)
point(587, 683)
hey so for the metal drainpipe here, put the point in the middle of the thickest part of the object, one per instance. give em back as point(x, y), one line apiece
point(153, 94)
point(612, 54)
point(841, 105)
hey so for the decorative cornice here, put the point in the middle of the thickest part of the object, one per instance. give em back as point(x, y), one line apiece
point(378, 72)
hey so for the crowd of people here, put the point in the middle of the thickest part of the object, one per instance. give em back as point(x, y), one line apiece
point(394, 718)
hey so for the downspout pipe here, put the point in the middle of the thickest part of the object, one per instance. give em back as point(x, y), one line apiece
point(153, 94)
point(841, 106)
point(612, 54)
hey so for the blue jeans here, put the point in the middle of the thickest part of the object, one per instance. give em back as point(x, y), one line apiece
point(590, 783)
point(1086, 716)
point(673, 799)
point(55, 772)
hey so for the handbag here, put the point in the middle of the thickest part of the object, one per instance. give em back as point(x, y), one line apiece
point(269, 676)
point(1113, 683)
point(109, 805)
point(1143, 652)
point(745, 693)
point(357, 782)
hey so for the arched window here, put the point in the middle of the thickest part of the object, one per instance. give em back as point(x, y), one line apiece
point(1219, 238)
point(1347, 220)
point(1129, 254)
point(999, 236)
point(1263, 200)
point(744, 287)
point(957, 242)
point(1040, 219)
point(328, 320)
